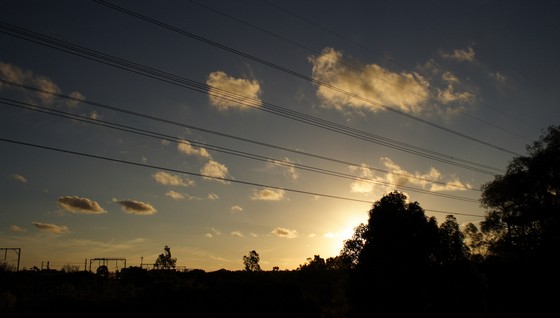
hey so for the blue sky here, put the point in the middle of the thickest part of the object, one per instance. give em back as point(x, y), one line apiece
point(221, 127)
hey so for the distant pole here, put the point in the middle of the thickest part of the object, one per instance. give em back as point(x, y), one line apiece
point(85, 264)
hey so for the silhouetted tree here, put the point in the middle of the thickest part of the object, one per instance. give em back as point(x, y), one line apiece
point(251, 262)
point(352, 248)
point(164, 260)
point(523, 219)
point(317, 263)
point(452, 247)
point(393, 270)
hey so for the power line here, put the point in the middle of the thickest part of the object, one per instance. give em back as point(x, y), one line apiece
point(201, 175)
point(392, 60)
point(229, 16)
point(244, 100)
point(299, 75)
point(151, 134)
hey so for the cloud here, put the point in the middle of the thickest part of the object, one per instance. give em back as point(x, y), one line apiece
point(268, 194)
point(213, 169)
point(213, 196)
point(165, 178)
point(186, 148)
point(288, 165)
point(52, 228)
point(213, 232)
point(433, 180)
point(401, 177)
point(236, 209)
point(460, 55)
point(358, 86)
point(15, 228)
point(175, 195)
point(136, 207)
point(79, 205)
point(449, 94)
point(13, 73)
point(284, 233)
point(228, 92)
point(19, 178)
point(237, 234)
point(362, 185)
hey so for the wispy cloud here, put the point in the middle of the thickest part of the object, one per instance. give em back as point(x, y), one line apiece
point(165, 178)
point(287, 165)
point(227, 92)
point(460, 55)
point(213, 196)
point(136, 207)
point(17, 229)
point(19, 178)
point(433, 180)
point(52, 228)
point(79, 205)
point(13, 73)
point(186, 148)
point(236, 209)
point(268, 194)
point(237, 234)
point(284, 232)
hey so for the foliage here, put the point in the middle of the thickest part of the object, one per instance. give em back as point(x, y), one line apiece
point(522, 219)
point(352, 248)
point(251, 262)
point(398, 232)
point(452, 247)
point(164, 260)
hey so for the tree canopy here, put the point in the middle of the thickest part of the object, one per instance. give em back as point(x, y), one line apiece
point(164, 260)
point(523, 205)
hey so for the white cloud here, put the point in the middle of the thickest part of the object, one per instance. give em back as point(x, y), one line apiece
point(79, 205)
point(366, 86)
point(186, 148)
point(268, 194)
point(213, 169)
point(284, 232)
point(228, 92)
point(165, 178)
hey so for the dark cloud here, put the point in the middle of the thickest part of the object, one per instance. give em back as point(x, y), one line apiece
point(76, 204)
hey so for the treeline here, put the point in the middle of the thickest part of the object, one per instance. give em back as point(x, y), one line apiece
point(401, 263)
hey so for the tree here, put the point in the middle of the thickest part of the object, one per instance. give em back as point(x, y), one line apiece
point(317, 263)
point(352, 248)
point(393, 271)
point(523, 219)
point(398, 234)
point(164, 260)
point(452, 247)
point(251, 262)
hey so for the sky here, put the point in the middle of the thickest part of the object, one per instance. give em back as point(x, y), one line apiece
point(221, 127)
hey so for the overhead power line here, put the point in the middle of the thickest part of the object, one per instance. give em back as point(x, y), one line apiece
point(243, 100)
point(282, 38)
point(152, 134)
point(201, 175)
point(299, 75)
point(392, 60)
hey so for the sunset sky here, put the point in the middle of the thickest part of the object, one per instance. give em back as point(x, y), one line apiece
point(221, 127)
